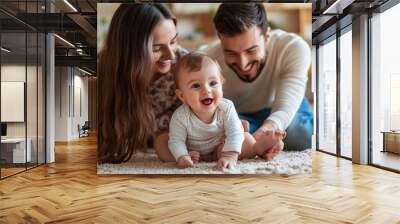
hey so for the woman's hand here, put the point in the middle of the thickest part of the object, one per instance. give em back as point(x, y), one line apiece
point(185, 162)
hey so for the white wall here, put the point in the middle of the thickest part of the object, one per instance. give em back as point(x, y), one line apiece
point(61, 103)
point(33, 126)
point(13, 100)
point(13, 73)
point(70, 94)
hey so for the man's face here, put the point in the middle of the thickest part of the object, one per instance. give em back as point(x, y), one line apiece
point(245, 53)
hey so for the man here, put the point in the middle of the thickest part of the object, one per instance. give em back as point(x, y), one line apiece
point(265, 72)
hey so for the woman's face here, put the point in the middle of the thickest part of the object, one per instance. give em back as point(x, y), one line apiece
point(164, 38)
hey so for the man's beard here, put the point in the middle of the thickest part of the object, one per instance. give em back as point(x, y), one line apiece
point(245, 79)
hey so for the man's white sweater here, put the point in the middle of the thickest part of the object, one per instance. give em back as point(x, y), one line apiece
point(281, 84)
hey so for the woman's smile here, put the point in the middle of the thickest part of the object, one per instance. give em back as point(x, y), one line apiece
point(164, 63)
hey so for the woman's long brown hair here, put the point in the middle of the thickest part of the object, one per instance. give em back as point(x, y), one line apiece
point(124, 74)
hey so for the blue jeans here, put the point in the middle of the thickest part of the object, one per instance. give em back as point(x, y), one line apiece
point(299, 132)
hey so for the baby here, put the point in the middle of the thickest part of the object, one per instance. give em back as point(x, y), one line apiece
point(206, 126)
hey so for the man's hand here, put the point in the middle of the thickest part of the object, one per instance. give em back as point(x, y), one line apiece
point(268, 125)
point(227, 160)
point(185, 162)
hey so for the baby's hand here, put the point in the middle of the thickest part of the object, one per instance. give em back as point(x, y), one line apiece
point(185, 162)
point(195, 156)
point(227, 160)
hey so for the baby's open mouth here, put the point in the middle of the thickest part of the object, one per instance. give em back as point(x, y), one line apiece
point(207, 101)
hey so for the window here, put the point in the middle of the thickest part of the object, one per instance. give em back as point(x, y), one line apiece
point(22, 65)
point(327, 97)
point(346, 94)
point(385, 89)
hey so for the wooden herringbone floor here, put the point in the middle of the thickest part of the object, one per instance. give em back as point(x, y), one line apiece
point(70, 191)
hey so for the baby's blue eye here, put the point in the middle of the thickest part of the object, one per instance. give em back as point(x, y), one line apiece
point(195, 86)
point(213, 83)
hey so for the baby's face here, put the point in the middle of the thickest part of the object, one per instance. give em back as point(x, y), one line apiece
point(201, 90)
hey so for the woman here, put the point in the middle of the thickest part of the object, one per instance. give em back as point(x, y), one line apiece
point(136, 97)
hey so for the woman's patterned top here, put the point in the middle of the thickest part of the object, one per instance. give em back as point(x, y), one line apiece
point(163, 99)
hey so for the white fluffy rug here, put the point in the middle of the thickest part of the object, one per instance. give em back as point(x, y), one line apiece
point(286, 163)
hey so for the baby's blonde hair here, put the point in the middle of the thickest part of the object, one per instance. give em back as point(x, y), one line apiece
point(192, 62)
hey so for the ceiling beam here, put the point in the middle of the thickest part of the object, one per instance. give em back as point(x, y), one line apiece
point(84, 24)
point(81, 61)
